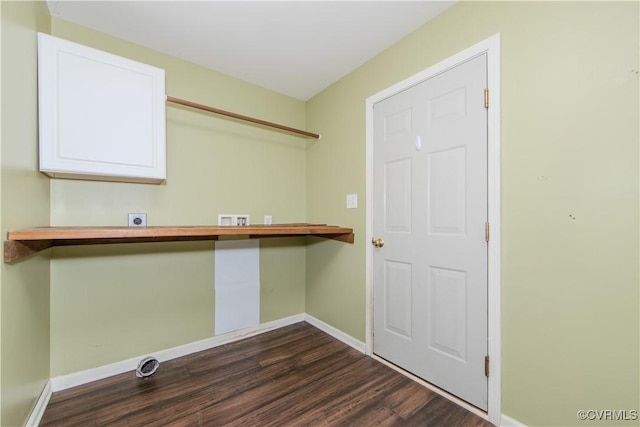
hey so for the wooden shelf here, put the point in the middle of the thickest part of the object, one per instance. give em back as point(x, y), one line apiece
point(24, 243)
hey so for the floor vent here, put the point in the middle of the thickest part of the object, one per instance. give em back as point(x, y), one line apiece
point(147, 367)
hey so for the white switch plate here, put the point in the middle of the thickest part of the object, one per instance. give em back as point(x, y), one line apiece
point(352, 201)
point(268, 220)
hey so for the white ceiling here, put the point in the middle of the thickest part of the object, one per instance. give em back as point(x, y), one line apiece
point(297, 48)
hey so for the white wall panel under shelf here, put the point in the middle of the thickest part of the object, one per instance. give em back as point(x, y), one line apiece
point(102, 117)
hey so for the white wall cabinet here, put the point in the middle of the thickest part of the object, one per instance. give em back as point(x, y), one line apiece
point(101, 116)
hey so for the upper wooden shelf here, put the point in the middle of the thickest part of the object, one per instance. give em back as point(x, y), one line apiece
point(24, 243)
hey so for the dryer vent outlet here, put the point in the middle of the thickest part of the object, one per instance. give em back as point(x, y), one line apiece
point(147, 367)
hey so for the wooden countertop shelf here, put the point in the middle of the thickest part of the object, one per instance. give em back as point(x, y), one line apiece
point(23, 243)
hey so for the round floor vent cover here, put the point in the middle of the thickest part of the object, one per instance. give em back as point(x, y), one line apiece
point(147, 367)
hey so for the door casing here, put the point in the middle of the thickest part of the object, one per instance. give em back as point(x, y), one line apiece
point(491, 47)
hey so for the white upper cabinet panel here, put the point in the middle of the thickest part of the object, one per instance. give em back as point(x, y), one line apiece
point(102, 117)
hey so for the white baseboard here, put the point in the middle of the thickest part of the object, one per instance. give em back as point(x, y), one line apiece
point(64, 382)
point(41, 405)
point(335, 333)
point(506, 421)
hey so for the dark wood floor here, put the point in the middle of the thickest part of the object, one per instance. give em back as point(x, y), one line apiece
point(293, 376)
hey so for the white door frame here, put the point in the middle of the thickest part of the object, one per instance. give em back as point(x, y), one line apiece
point(491, 47)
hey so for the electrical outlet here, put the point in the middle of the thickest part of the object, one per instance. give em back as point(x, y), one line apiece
point(268, 220)
point(137, 220)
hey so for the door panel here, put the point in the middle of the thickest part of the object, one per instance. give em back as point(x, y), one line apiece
point(447, 311)
point(397, 124)
point(398, 312)
point(430, 207)
point(447, 191)
point(449, 106)
point(397, 195)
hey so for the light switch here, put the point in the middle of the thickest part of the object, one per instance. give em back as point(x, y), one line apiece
point(352, 201)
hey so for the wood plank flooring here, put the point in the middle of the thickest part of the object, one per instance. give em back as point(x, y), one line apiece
point(293, 376)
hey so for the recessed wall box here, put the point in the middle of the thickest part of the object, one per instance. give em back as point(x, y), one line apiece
point(233, 219)
point(225, 219)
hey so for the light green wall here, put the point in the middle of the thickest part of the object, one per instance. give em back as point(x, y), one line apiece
point(110, 303)
point(24, 197)
point(570, 121)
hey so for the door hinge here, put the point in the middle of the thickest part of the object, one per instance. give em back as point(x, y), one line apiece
point(486, 98)
point(486, 366)
point(487, 231)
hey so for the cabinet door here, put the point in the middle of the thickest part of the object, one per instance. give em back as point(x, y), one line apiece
point(102, 117)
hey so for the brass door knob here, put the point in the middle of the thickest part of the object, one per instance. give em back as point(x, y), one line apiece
point(378, 243)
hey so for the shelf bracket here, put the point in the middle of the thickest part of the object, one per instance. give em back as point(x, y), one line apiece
point(346, 238)
point(15, 250)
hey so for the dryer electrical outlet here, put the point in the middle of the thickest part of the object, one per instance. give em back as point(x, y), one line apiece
point(137, 220)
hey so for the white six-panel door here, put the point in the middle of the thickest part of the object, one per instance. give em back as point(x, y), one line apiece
point(429, 210)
